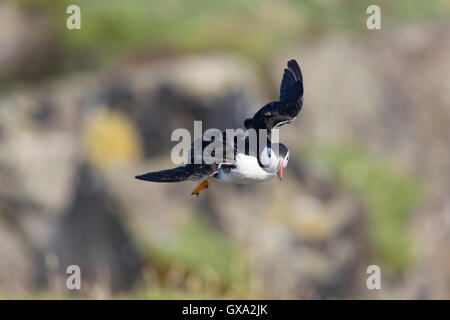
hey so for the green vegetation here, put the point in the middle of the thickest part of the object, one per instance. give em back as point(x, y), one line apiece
point(198, 262)
point(389, 196)
point(253, 28)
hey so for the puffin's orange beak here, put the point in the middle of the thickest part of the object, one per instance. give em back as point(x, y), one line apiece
point(280, 170)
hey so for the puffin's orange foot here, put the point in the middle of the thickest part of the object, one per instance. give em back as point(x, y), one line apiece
point(202, 186)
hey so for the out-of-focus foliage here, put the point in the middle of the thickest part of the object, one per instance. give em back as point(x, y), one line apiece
point(254, 28)
point(200, 261)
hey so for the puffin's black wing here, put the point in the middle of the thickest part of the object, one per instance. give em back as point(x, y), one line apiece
point(193, 171)
point(277, 113)
point(190, 172)
point(292, 84)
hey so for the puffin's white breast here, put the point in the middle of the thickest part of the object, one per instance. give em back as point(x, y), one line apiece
point(247, 171)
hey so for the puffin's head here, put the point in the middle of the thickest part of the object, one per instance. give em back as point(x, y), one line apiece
point(275, 157)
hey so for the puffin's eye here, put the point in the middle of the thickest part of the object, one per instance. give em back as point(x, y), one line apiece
point(266, 157)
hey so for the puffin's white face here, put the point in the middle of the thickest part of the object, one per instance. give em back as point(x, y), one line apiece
point(272, 162)
point(269, 159)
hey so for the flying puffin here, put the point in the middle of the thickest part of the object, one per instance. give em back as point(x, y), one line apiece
point(246, 167)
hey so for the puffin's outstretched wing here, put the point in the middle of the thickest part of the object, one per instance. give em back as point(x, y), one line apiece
point(192, 172)
point(292, 84)
point(277, 113)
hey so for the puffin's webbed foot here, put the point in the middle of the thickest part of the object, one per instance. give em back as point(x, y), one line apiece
point(202, 186)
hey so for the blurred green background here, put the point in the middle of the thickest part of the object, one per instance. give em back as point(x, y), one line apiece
point(84, 111)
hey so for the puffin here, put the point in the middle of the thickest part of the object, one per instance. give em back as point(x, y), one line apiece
point(244, 166)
